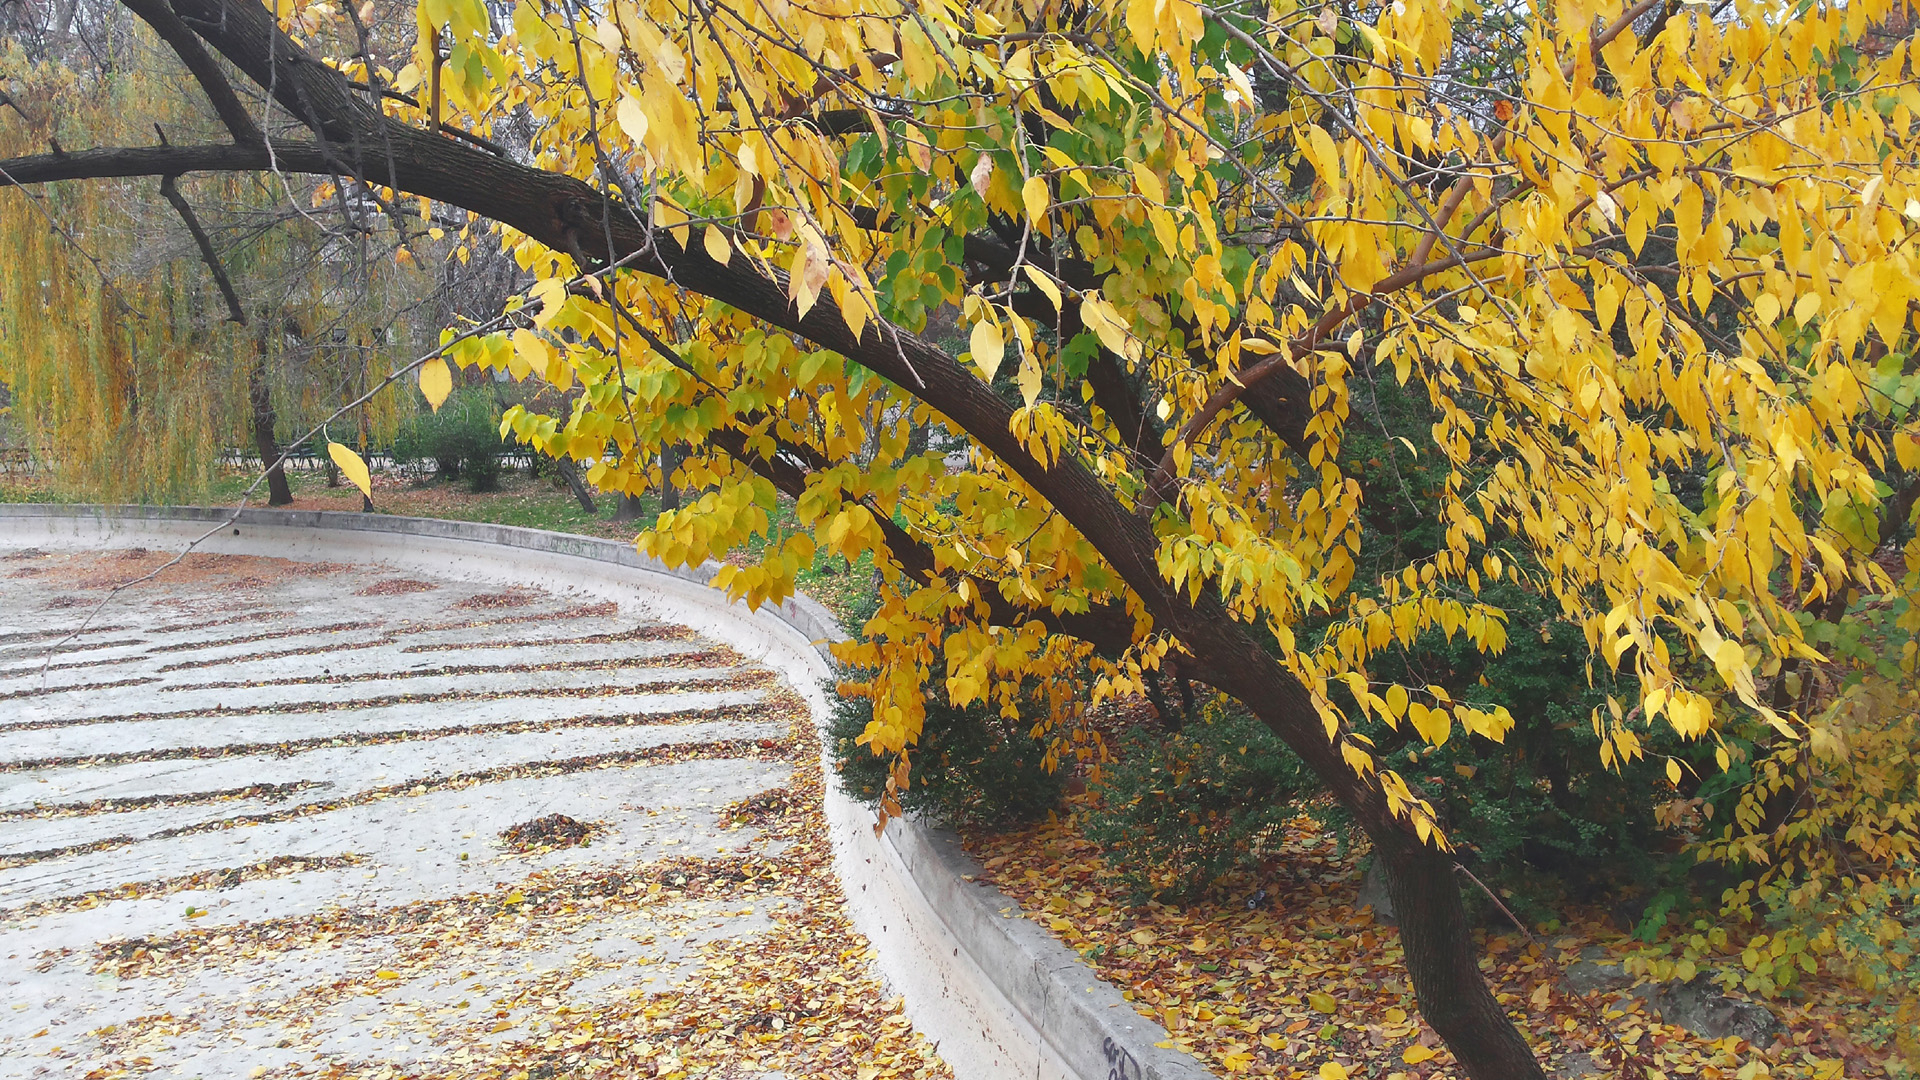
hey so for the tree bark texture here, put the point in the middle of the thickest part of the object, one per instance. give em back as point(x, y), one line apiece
point(564, 465)
point(352, 138)
point(671, 456)
point(629, 509)
point(259, 394)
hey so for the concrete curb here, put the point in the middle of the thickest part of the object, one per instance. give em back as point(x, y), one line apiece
point(995, 991)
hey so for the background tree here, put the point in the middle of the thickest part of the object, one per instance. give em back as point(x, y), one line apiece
point(740, 216)
point(183, 286)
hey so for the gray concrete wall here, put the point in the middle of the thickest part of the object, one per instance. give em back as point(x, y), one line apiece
point(995, 991)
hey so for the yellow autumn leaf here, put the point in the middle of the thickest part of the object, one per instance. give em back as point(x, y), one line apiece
point(632, 118)
point(1147, 182)
point(1044, 283)
point(549, 293)
point(1321, 152)
point(1434, 725)
point(855, 308)
point(436, 382)
point(1415, 1054)
point(531, 353)
point(1101, 318)
point(1036, 198)
point(1332, 1070)
point(988, 347)
point(1322, 1003)
point(386, 973)
point(716, 244)
point(919, 152)
point(351, 467)
point(807, 273)
point(1606, 304)
point(1029, 377)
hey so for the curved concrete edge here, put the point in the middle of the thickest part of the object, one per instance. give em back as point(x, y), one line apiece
point(992, 989)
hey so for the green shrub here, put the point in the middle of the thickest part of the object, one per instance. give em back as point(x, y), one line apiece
point(462, 439)
point(1179, 812)
point(1538, 818)
point(971, 767)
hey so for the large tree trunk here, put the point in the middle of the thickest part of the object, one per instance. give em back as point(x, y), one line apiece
point(564, 466)
point(279, 493)
point(1444, 966)
point(671, 456)
point(1442, 962)
point(629, 509)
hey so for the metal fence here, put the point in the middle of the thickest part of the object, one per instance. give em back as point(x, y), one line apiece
point(16, 461)
point(307, 461)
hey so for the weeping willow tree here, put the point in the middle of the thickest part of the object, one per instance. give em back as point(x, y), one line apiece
point(141, 338)
point(117, 361)
point(336, 315)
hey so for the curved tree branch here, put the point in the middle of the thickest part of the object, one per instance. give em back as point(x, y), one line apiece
point(569, 215)
point(176, 34)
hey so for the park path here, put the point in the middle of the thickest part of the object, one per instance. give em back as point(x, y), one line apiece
point(270, 818)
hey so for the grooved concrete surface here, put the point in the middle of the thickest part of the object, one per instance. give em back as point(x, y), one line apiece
point(257, 819)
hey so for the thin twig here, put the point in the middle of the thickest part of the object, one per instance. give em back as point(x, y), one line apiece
point(1629, 1065)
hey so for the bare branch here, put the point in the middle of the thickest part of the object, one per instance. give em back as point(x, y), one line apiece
point(207, 255)
point(157, 161)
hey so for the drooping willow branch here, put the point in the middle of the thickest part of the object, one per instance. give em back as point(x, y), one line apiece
point(474, 331)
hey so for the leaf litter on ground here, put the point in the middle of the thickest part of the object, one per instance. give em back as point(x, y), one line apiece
point(1302, 985)
point(797, 997)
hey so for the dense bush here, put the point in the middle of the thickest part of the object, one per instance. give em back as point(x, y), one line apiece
point(1540, 819)
point(971, 766)
point(1179, 811)
point(1541, 815)
point(462, 439)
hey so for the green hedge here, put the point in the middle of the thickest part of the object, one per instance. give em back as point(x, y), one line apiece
point(462, 439)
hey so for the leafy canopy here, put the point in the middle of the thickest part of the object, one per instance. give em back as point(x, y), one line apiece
point(1653, 277)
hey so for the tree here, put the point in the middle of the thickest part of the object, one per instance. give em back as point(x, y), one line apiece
point(170, 291)
point(1177, 233)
